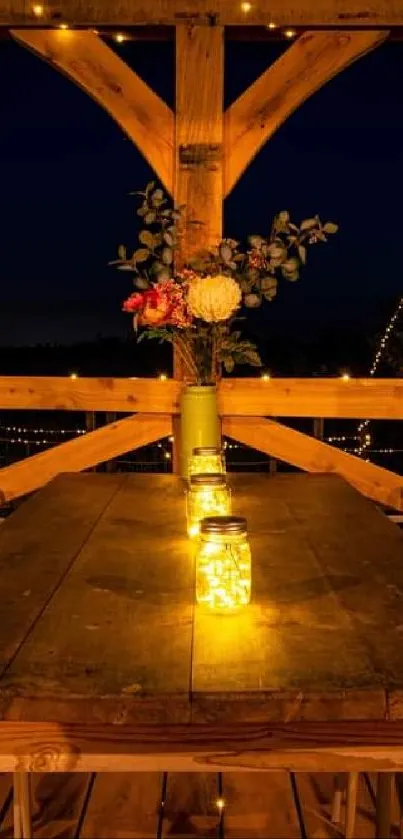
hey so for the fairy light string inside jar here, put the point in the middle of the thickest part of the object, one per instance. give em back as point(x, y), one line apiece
point(223, 563)
point(207, 495)
point(207, 459)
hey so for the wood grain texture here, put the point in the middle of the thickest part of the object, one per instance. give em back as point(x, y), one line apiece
point(114, 643)
point(339, 13)
point(85, 451)
point(303, 747)
point(305, 452)
point(305, 67)
point(89, 62)
point(324, 625)
point(199, 134)
point(61, 393)
point(330, 398)
point(38, 544)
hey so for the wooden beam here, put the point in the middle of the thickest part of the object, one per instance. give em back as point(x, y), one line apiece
point(340, 13)
point(315, 397)
point(329, 398)
point(199, 135)
point(300, 746)
point(307, 453)
point(64, 394)
point(82, 453)
point(89, 62)
point(305, 67)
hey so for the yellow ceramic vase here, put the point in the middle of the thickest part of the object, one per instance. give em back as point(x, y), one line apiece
point(200, 424)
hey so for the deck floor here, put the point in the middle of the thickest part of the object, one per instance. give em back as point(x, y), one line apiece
point(273, 806)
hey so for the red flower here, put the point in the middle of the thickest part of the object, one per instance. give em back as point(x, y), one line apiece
point(165, 304)
point(133, 303)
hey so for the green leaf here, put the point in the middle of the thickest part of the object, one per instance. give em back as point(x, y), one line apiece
point(229, 363)
point(302, 253)
point(168, 238)
point(268, 284)
point(330, 227)
point(309, 223)
point(150, 186)
point(146, 238)
point(252, 301)
point(256, 241)
point(225, 253)
point(270, 295)
point(141, 255)
point(122, 252)
point(150, 217)
point(157, 197)
point(167, 256)
point(283, 217)
point(141, 283)
point(253, 358)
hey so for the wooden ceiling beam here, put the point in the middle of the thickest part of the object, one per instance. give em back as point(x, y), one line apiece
point(304, 68)
point(88, 61)
point(304, 13)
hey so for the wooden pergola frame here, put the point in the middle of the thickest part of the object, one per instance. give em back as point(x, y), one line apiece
point(199, 152)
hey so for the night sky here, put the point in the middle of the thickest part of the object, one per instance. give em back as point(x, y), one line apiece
point(66, 171)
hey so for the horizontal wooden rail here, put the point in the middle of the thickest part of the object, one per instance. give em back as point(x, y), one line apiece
point(82, 453)
point(332, 398)
point(307, 453)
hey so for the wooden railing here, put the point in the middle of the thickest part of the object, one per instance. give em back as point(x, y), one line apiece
point(244, 405)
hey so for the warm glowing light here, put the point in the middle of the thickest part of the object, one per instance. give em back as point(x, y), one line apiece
point(38, 10)
point(220, 803)
point(73, 375)
point(208, 495)
point(63, 26)
point(346, 377)
point(170, 439)
point(163, 377)
point(120, 38)
point(207, 460)
point(290, 33)
point(272, 25)
point(265, 377)
point(223, 563)
point(167, 455)
point(95, 31)
point(246, 7)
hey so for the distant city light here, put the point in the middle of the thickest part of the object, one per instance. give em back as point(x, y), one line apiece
point(289, 33)
point(265, 377)
point(346, 377)
point(272, 25)
point(73, 375)
point(120, 38)
point(163, 377)
point(38, 10)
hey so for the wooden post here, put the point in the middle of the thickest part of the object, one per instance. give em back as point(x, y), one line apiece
point(198, 174)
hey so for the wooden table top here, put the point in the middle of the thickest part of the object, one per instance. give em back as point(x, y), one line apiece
point(98, 622)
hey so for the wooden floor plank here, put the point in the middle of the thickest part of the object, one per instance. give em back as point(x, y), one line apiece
point(114, 644)
point(259, 807)
point(123, 806)
point(190, 809)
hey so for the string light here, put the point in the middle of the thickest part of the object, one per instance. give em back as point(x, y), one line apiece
point(73, 375)
point(272, 25)
point(220, 804)
point(38, 10)
point(120, 38)
point(63, 26)
point(378, 357)
point(246, 7)
point(163, 377)
point(346, 377)
point(289, 33)
point(265, 377)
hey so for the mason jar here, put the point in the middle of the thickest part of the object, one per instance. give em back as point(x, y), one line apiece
point(207, 459)
point(207, 495)
point(223, 563)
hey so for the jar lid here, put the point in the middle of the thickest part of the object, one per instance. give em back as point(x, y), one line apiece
point(212, 479)
point(223, 525)
point(207, 450)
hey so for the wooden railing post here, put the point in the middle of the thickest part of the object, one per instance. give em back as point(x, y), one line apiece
point(198, 178)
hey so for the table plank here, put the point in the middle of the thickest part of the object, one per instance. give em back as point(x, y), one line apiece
point(114, 643)
point(322, 637)
point(38, 544)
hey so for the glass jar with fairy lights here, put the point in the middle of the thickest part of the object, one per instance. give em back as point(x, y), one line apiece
point(223, 563)
point(206, 459)
point(207, 495)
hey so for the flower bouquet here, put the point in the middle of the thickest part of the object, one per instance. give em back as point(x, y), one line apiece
point(196, 305)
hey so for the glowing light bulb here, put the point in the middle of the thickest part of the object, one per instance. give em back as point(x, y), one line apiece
point(120, 38)
point(289, 33)
point(38, 10)
point(63, 26)
point(163, 377)
point(265, 377)
point(246, 7)
point(73, 375)
point(346, 377)
point(272, 25)
point(220, 803)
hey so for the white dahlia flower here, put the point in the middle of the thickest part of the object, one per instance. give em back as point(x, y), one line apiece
point(213, 298)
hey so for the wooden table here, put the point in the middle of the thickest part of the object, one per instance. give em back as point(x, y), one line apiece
point(107, 664)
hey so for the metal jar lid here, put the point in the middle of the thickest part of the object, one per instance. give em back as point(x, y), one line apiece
point(211, 479)
point(224, 525)
point(207, 451)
